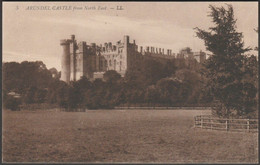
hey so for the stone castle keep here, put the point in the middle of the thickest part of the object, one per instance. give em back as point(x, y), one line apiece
point(92, 61)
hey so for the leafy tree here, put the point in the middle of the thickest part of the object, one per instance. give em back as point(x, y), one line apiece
point(256, 48)
point(19, 77)
point(63, 95)
point(225, 67)
point(191, 85)
point(167, 91)
point(148, 71)
point(151, 95)
point(29, 96)
point(40, 96)
point(52, 94)
point(134, 96)
point(111, 76)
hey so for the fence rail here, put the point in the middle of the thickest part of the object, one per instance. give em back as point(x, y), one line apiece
point(213, 123)
point(160, 108)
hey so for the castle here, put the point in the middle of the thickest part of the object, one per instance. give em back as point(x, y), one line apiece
point(92, 61)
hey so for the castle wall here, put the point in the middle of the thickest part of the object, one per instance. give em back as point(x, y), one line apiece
point(80, 60)
point(92, 60)
point(113, 57)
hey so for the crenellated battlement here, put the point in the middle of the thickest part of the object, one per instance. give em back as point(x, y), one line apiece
point(154, 51)
point(106, 48)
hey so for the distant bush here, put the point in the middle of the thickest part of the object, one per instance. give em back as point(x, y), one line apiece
point(12, 103)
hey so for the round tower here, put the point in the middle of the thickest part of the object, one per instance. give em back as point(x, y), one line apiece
point(65, 61)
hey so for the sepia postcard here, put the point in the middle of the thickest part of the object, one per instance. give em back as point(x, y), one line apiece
point(130, 82)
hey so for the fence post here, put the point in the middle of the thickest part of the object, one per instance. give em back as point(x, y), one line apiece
point(194, 121)
point(201, 122)
point(248, 125)
point(210, 123)
point(226, 124)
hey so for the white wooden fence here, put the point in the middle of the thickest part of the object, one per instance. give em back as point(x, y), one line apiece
point(213, 123)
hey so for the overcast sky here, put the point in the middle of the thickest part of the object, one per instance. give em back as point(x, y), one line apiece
point(35, 34)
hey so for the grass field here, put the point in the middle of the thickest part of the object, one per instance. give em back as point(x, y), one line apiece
point(132, 136)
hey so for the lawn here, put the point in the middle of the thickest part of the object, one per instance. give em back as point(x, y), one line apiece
point(135, 136)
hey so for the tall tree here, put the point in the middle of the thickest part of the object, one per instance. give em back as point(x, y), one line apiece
point(111, 76)
point(225, 66)
point(256, 48)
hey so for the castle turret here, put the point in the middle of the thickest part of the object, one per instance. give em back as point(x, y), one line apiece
point(81, 60)
point(126, 39)
point(126, 43)
point(93, 48)
point(72, 37)
point(65, 60)
point(73, 47)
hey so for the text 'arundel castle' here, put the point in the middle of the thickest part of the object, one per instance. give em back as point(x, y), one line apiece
point(92, 61)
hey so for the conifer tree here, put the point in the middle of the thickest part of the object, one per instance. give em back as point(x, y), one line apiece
point(225, 68)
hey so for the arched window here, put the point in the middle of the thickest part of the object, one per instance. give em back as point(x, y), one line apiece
point(120, 65)
point(110, 63)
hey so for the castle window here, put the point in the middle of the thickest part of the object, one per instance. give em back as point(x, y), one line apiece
point(110, 63)
point(120, 65)
point(105, 63)
point(114, 64)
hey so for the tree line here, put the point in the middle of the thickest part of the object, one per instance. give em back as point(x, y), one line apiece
point(148, 83)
